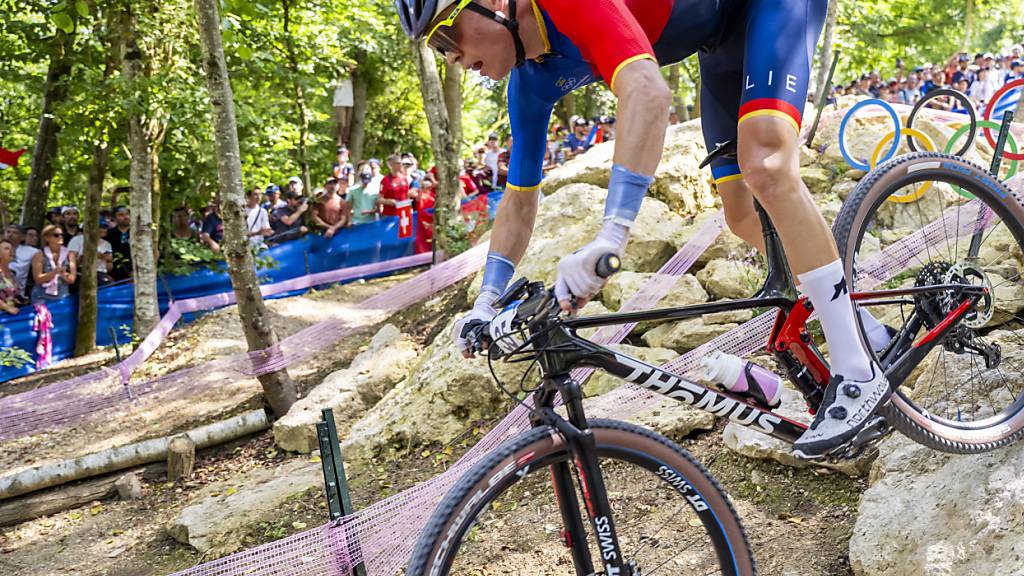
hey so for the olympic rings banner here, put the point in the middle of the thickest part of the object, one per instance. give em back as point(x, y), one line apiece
point(890, 142)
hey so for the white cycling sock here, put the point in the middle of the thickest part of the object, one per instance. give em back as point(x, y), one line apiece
point(826, 288)
point(876, 332)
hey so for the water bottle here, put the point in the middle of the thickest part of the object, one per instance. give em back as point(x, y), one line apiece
point(741, 377)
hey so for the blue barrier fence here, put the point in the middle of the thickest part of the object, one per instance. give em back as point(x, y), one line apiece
point(358, 245)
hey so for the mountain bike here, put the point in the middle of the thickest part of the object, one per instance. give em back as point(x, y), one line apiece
point(648, 507)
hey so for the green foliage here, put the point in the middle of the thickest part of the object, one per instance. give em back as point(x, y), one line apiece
point(14, 357)
point(328, 39)
point(872, 35)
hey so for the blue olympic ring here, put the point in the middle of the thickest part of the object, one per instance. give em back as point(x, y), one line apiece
point(842, 132)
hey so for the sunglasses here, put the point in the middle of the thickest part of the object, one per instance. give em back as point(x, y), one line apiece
point(442, 36)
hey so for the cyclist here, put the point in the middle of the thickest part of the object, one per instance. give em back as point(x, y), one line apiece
point(755, 58)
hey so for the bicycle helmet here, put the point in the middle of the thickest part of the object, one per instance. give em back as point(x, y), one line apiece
point(418, 16)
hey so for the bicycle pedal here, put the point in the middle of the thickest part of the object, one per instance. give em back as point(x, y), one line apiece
point(872, 432)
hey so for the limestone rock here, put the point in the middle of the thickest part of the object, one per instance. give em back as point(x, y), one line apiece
point(222, 513)
point(441, 396)
point(817, 179)
point(1000, 250)
point(808, 156)
point(829, 206)
point(601, 382)
point(375, 371)
point(913, 216)
point(932, 514)
point(753, 444)
point(1009, 300)
point(678, 182)
point(684, 335)
point(622, 286)
point(843, 188)
point(726, 245)
point(730, 278)
point(129, 487)
point(572, 216)
point(593, 308)
point(674, 420)
point(728, 317)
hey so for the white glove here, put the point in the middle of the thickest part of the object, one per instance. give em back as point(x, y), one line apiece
point(482, 313)
point(577, 272)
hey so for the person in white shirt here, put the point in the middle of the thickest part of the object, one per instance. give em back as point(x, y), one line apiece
point(23, 254)
point(491, 153)
point(257, 221)
point(104, 257)
point(983, 87)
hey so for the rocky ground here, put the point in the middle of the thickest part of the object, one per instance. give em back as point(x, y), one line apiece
point(904, 513)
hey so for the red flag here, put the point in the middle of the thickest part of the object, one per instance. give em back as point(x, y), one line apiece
point(9, 159)
point(403, 209)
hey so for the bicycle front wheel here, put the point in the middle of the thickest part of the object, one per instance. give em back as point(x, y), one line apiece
point(968, 228)
point(502, 517)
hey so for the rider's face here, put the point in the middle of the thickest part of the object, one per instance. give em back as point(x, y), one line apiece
point(482, 44)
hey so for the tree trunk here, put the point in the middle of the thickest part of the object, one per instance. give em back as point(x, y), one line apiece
point(140, 178)
point(696, 98)
point(278, 387)
point(33, 208)
point(453, 101)
point(673, 86)
point(968, 25)
point(357, 133)
point(156, 132)
point(825, 59)
point(445, 154)
point(300, 96)
point(85, 337)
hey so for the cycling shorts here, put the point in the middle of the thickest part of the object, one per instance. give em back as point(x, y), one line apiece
point(755, 59)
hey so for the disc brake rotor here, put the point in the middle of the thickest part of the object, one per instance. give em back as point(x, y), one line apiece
point(971, 275)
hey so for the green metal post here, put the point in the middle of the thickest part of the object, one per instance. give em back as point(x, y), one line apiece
point(339, 500)
point(824, 98)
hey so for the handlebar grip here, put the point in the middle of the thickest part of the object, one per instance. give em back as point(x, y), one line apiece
point(608, 264)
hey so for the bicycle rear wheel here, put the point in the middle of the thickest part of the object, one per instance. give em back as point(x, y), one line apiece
point(671, 517)
point(967, 396)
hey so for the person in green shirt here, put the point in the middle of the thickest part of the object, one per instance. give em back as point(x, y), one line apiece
point(363, 196)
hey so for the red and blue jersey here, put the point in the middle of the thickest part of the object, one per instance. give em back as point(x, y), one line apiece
point(755, 60)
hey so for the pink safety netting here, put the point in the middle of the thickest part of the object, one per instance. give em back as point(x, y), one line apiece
point(71, 401)
point(383, 535)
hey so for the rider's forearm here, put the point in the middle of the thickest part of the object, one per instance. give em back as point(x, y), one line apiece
point(644, 100)
point(513, 226)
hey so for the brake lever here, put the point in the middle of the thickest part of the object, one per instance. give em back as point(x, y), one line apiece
point(479, 336)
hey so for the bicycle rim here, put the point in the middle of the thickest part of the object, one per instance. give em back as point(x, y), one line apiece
point(503, 518)
point(968, 394)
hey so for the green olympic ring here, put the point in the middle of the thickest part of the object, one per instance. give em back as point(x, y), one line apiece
point(984, 124)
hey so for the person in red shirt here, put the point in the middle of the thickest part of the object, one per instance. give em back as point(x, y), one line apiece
point(395, 187)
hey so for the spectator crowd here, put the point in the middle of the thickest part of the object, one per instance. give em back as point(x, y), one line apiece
point(40, 265)
point(979, 78)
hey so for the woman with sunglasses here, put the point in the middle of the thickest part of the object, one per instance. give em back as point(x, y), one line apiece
point(54, 268)
point(755, 61)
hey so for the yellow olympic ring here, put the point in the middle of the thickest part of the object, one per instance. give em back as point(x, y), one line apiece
point(928, 145)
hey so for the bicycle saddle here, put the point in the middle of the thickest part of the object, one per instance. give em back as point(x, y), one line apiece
point(725, 149)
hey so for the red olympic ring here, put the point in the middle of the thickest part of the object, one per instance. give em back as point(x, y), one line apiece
point(988, 116)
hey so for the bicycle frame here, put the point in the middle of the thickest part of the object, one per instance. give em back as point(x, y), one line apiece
point(561, 350)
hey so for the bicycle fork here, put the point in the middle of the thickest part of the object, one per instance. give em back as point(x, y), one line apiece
point(583, 447)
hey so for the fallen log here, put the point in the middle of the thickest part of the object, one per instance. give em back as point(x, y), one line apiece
point(132, 455)
point(58, 499)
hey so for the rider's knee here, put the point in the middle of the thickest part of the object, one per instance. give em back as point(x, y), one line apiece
point(770, 175)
